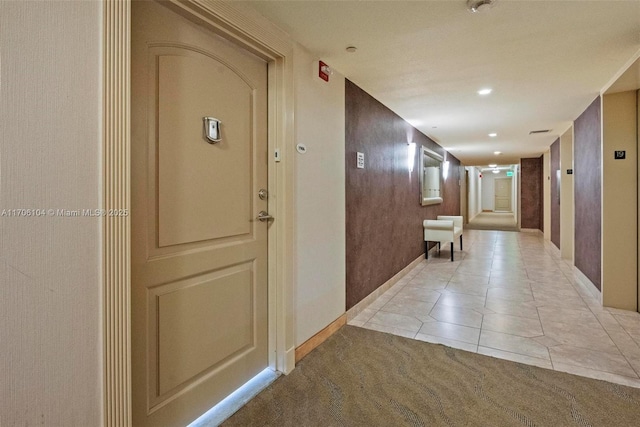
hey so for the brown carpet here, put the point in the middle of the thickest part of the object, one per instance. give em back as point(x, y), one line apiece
point(360, 377)
point(502, 221)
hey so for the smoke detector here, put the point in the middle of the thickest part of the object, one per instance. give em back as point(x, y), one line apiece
point(476, 6)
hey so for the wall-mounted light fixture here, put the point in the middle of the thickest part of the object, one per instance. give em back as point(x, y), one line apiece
point(445, 169)
point(411, 155)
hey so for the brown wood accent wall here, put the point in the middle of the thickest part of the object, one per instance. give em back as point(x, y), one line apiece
point(384, 215)
point(588, 191)
point(531, 193)
point(555, 192)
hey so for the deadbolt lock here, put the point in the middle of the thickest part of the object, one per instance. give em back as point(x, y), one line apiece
point(263, 194)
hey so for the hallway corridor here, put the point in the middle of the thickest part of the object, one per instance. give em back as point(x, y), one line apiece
point(510, 295)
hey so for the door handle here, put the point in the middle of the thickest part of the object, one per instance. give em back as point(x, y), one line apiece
point(264, 216)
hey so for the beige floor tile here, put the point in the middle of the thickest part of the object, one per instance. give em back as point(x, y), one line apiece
point(508, 282)
point(598, 375)
point(365, 315)
point(428, 284)
point(381, 301)
point(462, 300)
point(513, 344)
point(410, 307)
point(395, 320)
point(500, 276)
point(477, 267)
point(457, 315)
point(466, 288)
point(582, 336)
point(627, 346)
point(479, 255)
point(630, 323)
point(418, 293)
point(513, 308)
point(550, 315)
point(597, 360)
point(357, 323)
point(390, 330)
point(513, 325)
point(449, 343)
point(571, 303)
point(511, 294)
point(546, 341)
point(471, 279)
point(451, 331)
point(515, 357)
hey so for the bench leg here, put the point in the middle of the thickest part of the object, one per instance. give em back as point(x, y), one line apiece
point(438, 248)
point(426, 250)
point(451, 251)
point(461, 243)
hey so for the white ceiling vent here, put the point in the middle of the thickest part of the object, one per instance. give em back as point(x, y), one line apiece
point(536, 132)
point(476, 6)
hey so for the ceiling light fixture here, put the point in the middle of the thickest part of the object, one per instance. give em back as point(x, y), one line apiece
point(493, 135)
point(476, 6)
point(497, 153)
point(493, 165)
point(496, 171)
point(351, 49)
point(485, 91)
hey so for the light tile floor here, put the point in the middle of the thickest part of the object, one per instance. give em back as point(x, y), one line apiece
point(510, 295)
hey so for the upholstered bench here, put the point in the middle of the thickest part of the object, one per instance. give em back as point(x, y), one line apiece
point(442, 230)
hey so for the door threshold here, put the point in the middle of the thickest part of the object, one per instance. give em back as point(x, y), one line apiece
point(236, 400)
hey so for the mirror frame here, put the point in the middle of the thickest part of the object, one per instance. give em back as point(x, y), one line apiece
point(426, 201)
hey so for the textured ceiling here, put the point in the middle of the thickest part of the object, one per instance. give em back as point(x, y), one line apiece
point(545, 61)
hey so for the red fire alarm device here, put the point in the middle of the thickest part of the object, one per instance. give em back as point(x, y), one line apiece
point(323, 71)
point(480, 176)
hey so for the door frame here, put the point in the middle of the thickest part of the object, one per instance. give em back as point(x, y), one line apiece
point(251, 31)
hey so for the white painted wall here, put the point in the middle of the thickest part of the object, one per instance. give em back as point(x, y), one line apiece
point(488, 189)
point(619, 201)
point(320, 198)
point(475, 192)
point(515, 195)
point(50, 293)
point(546, 194)
point(567, 222)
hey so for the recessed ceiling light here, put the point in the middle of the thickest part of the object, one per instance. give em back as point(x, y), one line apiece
point(493, 135)
point(351, 49)
point(493, 166)
point(485, 91)
point(495, 171)
point(497, 153)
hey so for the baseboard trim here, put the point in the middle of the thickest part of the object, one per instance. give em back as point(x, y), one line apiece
point(587, 284)
point(531, 230)
point(306, 347)
point(366, 301)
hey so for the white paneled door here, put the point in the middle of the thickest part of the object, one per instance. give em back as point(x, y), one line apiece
point(199, 255)
point(502, 195)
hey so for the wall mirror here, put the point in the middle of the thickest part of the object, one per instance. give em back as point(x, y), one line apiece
point(430, 177)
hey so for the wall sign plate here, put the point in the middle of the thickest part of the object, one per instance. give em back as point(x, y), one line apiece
point(619, 155)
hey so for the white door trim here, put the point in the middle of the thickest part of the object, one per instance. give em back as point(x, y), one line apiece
point(248, 29)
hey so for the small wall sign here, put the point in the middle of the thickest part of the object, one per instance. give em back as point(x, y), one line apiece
point(620, 155)
point(569, 171)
